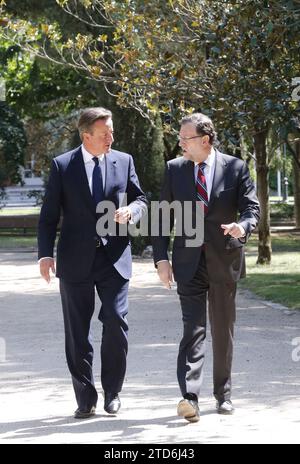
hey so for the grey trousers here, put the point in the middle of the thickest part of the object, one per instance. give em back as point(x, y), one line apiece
point(221, 309)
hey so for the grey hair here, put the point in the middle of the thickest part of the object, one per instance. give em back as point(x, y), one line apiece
point(203, 124)
point(89, 116)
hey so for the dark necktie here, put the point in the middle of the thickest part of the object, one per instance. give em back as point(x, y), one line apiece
point(202, 187)
point(97, 186)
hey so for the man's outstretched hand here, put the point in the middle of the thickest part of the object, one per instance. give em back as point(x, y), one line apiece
point(233, 229)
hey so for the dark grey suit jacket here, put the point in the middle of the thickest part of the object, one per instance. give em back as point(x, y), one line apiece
point(232, 199)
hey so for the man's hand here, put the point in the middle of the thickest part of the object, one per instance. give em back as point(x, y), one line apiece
point(233, 229)
point(165, 273)
point(45, 266)
point(122, 215)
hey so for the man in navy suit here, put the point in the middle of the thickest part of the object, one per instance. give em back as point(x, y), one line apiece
point(231, 210)
point(88, 258)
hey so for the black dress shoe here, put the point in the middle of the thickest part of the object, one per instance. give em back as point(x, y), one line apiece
point(225, 407)
point(112, 403)
point(189, 409)
point(82, 414)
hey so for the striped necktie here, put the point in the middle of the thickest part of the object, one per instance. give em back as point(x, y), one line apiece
point(202, 187)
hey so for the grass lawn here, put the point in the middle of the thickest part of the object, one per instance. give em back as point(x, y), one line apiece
point(17, 242)
point(276, 199)
point(279, 281)
point(19, 211)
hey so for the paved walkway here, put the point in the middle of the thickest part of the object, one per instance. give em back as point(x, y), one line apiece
point(36, 398)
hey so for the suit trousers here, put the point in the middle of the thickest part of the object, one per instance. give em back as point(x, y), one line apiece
point(193, 297)
point(78, 303)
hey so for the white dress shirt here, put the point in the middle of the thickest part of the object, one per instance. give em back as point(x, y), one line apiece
point(89, 167)
point(208, 171)
point(209, 175)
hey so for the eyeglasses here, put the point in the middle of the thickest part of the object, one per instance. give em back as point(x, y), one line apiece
point(186, 139)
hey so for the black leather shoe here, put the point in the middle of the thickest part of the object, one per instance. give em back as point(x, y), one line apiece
point(81, 414)
point(189, 409)
point(225, 407)
point(112, 403)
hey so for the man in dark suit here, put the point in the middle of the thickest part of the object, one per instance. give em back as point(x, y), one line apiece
point(223, 186)
point(88, 258)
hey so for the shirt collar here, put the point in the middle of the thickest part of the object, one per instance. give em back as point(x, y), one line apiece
point(87, 157)
point(210, 159)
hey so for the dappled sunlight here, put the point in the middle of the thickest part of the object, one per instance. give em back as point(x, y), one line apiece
point(37, 397)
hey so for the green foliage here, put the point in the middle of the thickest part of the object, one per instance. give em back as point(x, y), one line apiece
point(145, 142)
point(15, 242)
point(233, 60)
point(38, 196)
point(40, 89)
point(2, 195)
point(282, 211)
point(280, 281)
point(12, 145)
point(138, 244)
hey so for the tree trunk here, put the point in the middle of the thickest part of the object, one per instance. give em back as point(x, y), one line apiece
point(297, 185)
point(262, 169)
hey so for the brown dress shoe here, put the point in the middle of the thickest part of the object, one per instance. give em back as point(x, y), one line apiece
point(189, 409)
point(81, 414)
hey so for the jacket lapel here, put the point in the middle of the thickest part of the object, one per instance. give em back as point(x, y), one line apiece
point(81, 179)
point(189, 176)
point(111, 166)
point(218, 178)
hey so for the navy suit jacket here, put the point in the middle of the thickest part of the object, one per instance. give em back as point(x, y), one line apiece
point(68, 194)
point(232, 199)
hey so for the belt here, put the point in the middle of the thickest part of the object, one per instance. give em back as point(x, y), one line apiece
point(98, 242)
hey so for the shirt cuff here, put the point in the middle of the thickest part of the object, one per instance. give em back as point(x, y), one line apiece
point(131, 221)
point(162, 261)
point(45, 257)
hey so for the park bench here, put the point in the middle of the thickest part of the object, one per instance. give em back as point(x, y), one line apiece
point(19, 225)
